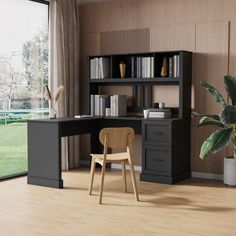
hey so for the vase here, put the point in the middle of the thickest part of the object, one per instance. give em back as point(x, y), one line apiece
point(122, 70)
point(52, 111)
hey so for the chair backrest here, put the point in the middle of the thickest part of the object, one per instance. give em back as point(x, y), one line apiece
point(117, 137)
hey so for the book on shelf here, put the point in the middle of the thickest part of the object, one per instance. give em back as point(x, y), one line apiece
point(99, 103)
point(160, 113)
point(142, 67)
point(100, 68)
point(174, 66)
point(119, 105)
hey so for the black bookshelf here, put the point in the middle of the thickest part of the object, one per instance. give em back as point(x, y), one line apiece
point(165, 142)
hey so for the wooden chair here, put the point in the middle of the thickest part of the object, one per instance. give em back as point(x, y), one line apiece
point(114, 138)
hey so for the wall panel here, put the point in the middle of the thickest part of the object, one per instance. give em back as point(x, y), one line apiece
point(181, 37)
point(211, 66)
point(125, 41)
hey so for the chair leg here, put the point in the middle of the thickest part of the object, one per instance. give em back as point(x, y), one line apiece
point(102, 182)
point(124, 175)
point(133, 180)
point(92, 170)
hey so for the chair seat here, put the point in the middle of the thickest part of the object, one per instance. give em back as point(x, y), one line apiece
point(121, 156)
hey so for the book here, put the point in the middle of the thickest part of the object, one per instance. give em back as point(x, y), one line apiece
point(133, 67)
point(105, 67)
point(96, 104)
point(118, 105)
point(170, 67)
point(152, 67)
point(92, 105)
point(159, 112)
point(83, 116)
point(177, 66)
point(159, 115)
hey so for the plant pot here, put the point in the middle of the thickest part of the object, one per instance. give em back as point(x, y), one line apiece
point(230, 171)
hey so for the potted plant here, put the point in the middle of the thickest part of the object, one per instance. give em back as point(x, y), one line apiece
point(226, 121)
point(53, 99)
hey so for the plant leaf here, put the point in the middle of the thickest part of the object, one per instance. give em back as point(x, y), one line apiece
point(58, 92)
point(228, 115)
point(214, 92)
point(230, 85)
point(214, 117)
point(215, 142)
point(48, 93)
point(207, 121)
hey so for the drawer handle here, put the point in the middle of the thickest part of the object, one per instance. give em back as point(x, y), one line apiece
point(157, 132)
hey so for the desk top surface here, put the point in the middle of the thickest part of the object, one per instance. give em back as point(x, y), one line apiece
point(73, 119)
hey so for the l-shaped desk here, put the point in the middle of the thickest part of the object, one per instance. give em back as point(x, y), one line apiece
point(165, 156)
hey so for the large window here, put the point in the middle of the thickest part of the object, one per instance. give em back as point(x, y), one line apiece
point(23, 74)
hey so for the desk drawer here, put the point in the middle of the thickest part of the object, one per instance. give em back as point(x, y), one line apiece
point(157, 159)
point(159, 133)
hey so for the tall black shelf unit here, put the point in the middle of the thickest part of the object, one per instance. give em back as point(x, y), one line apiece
point(165, 142)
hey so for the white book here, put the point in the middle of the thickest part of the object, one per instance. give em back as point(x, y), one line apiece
point(102, 105)
point(116, 105)
point(152, 67)
point(92, 68)
point(177, 66)
point(96, 70)
point(149, 67)
point(92, 105)
point(113, 105)
point(101, 71)
point(143, 67)
point(96, 110)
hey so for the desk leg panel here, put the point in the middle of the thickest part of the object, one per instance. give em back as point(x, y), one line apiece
point(44, 154)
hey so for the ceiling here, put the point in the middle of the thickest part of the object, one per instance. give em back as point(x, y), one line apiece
point(92, 1)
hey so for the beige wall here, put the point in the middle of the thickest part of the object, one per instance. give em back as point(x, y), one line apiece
point(205, 27)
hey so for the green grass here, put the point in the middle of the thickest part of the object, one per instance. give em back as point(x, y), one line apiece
point(13, 149)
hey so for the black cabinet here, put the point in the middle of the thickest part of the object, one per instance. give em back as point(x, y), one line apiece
point(166, 150)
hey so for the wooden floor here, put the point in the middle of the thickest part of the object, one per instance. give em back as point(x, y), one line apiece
point(192, 207)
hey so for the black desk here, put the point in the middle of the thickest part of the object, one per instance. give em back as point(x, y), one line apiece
point(44, 143)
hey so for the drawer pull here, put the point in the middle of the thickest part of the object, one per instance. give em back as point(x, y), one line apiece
point(157, 133)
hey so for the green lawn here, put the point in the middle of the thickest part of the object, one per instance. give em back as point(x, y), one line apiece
point(13, 149)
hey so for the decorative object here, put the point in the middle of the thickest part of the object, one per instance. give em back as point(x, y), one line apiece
point(122, 69)
point(146, 113)
point(52, 100)
point(226, 121)
point(161, 105)
point(164, 67)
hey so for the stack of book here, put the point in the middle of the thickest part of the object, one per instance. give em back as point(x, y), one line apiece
point(160, 113)
point(142, 67)
point(100, 68)
point(174, 66)
point(116, 103)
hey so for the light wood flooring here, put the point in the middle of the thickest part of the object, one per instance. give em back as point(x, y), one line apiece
point(192, 207)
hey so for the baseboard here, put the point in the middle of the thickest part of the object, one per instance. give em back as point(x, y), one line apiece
point(139, 168)
point(118, 166)
point(207, 175)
